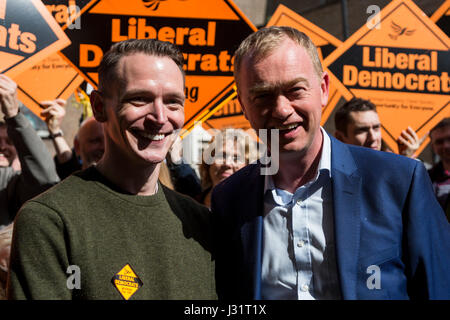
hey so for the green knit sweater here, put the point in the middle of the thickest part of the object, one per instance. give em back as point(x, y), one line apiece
point(165, 240)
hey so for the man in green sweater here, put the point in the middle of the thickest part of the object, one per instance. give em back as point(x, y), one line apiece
point(112, 231)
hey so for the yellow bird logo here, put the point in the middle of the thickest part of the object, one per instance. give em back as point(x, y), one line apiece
point(399, 31)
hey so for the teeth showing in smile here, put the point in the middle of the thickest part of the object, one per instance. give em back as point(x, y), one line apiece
point(154, 137)
point(288, 127)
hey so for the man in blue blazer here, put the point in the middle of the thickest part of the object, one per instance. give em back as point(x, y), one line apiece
point(334, 221)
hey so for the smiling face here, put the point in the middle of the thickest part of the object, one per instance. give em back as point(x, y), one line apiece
point(283, 91)
point(143, 108)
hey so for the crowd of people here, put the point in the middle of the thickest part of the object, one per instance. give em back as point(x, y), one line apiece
point(124, 207)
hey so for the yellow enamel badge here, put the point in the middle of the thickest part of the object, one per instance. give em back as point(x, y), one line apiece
point(126, 282)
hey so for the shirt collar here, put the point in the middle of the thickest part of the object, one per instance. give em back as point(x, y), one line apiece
point(323, 168)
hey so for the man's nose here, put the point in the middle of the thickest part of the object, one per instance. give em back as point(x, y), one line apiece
point(282, 109)
point(158, 112)
point(371, 135)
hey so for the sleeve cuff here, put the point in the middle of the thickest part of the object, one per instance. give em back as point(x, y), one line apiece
point(19, 120)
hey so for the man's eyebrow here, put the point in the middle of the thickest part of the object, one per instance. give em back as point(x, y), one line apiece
point(145, 93)
point(367, 127)
point(136, 92)
point(265, 87)
point(362, 127)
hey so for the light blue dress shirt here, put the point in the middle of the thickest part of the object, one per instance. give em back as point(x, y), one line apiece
point(299, 259)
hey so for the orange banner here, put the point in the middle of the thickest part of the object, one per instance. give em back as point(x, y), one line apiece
point(27, 36)
point(53, 77)
point(389, 63)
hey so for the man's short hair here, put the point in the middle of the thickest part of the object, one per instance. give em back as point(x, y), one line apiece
point(342, 116)
point(442, 124)
point(151, 47)
point(260, 44)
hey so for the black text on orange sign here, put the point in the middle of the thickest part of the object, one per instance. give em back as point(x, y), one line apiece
point(14, 39)
point(91, 55)
point(62, 13)
point(383, 63)
point(138, 29)
point(2, 9)
point(232, 108)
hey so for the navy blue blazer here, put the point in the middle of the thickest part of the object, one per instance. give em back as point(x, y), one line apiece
point(385, 214)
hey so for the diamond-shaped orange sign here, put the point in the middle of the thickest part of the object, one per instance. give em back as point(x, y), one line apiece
point(207, 32)
point(229, 116)
point(28, 34)
point(442, 17)
point(399, 61)
point(50, 79)
point(53, 77)
point(126, 282)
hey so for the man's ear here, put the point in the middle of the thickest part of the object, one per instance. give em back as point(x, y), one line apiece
point(324, 88)
point(98, 106)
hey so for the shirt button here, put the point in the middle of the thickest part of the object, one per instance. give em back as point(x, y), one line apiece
point(301, 204)
point(305, 287)
point(300, 244)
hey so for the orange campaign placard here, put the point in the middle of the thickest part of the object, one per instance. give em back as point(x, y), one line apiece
point(67, 12)
point(229, 116)
point(50, 79)
point(442, 20)
point(399, 61)
point(53, 77)
point(442, 17)
point(28, 34)
point(207, 33)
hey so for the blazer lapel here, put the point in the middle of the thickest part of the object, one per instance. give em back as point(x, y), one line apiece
point(346, 199)
point(347, 202)
point(252, 228)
